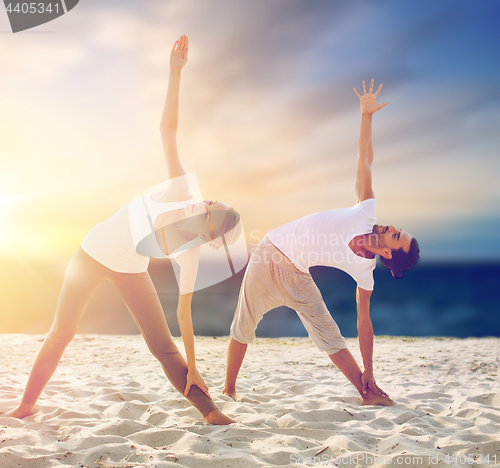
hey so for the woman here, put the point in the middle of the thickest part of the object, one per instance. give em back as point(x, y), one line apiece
point(110, 251)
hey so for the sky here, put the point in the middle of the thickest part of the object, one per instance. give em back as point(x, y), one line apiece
point(268, 117)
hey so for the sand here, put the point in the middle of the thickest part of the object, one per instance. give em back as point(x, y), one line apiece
point(109, 405)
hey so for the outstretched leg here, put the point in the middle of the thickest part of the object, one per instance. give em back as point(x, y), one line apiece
point(261, 291)
point(305, 297)
point(235, 355)
point(81, 279)
point(141, 298)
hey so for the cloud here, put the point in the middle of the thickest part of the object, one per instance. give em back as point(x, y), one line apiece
point(268, 117)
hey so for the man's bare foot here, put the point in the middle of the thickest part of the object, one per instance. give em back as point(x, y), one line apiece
point(371, 398)
point(218, 417)
point(230, 393)
point(20, 412)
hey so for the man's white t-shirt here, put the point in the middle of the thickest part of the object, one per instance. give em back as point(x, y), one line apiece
point(323, 239)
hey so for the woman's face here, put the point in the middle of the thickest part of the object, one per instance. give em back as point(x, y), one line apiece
point(204, 208)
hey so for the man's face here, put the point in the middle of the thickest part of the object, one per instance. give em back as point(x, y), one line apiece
point(392, 238)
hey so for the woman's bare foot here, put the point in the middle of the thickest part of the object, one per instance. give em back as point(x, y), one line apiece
point(218, 417)
point(230, 392)
point(371, 398)
point(21, 411)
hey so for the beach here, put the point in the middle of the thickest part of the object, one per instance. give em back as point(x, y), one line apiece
point(110, 405)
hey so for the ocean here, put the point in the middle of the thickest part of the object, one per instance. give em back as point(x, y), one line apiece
point(459, 300)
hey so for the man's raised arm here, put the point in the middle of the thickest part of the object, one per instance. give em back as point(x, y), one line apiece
point(369, 106)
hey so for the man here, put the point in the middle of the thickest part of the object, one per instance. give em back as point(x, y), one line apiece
point(348, 239)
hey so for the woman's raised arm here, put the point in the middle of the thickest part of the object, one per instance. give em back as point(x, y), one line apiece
point(170, 116)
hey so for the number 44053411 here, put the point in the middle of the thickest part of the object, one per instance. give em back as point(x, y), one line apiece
point(33, 8)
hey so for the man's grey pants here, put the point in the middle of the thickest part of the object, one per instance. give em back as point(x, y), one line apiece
point(272, 280)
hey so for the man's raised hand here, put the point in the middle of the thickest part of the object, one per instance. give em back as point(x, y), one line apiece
point(368, 101)
point(179, 54)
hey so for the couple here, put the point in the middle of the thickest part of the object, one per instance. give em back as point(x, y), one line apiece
point(180, 224)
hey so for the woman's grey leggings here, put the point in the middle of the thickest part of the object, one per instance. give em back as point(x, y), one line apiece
point(137, 290)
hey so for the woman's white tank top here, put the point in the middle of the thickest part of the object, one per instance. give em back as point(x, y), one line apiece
point(114, 242)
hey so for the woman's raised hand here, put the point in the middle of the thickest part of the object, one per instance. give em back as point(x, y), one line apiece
point(368, 101)
point(179, 54)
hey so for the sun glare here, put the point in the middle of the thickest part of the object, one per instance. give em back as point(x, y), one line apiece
point(4, 228)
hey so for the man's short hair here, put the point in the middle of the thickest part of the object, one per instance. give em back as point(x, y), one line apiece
point(402, 260)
